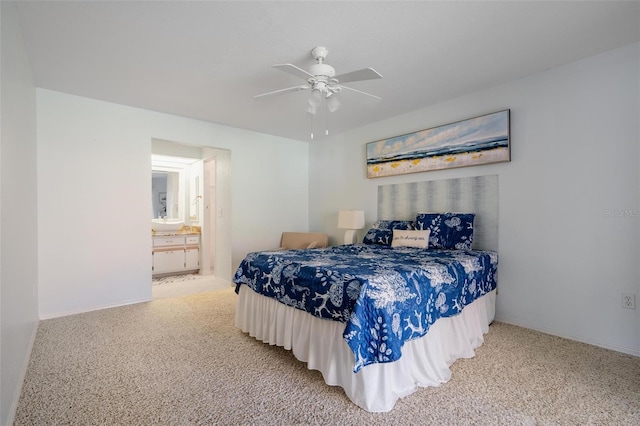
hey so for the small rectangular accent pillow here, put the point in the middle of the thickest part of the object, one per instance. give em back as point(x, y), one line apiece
point(410, 238)
point(448, 230)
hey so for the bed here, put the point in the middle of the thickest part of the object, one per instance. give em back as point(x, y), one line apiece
point(379, 319)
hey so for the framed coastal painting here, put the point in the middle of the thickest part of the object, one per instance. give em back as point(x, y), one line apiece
point(470, 142)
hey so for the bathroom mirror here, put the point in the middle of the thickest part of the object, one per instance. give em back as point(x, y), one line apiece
point(165, 190)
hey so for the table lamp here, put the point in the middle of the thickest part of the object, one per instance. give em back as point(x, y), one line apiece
point(351, 220)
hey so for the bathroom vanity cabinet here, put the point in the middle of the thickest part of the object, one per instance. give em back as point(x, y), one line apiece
point(175, 254)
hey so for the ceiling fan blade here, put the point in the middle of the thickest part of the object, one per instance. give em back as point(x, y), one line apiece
point(282, 91)
point(359, 75)
point(361, 92)
point(292, 69)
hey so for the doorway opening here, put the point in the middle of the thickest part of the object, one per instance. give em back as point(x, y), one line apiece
point(202, 201)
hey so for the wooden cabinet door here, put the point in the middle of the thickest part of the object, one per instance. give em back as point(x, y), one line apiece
point(192, 258)
point(168, 261)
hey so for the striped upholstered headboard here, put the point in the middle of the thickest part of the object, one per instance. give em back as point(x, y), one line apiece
point(478, 194)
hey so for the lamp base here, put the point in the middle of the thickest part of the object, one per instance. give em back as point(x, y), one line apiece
point(350, 236)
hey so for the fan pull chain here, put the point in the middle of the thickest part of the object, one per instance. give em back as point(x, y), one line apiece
point(326, 115)
point(311, 124)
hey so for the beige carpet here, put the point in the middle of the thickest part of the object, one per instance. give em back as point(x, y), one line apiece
point(171, 279)
point(177, 286)
point(181, 361)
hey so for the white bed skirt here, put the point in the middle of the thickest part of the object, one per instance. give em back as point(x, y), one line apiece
point(376, 387)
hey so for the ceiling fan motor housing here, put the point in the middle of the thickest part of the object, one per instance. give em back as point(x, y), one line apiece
point(322, 70)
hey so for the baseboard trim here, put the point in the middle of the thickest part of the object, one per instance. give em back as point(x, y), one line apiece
point(227, 282)
point(94, 308)
point(581, 339)
point(25, 366)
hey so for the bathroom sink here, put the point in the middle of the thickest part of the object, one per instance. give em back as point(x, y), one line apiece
point(166, 225)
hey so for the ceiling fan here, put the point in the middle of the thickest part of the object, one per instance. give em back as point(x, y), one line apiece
point(323, 82)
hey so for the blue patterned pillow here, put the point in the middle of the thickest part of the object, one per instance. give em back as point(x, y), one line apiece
point(382, 231)
point(378, 236)
point(448, 230)
point(394, 224)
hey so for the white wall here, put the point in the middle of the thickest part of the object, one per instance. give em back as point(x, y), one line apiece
point(94, 176)
point(564, 260)
point(18, 204)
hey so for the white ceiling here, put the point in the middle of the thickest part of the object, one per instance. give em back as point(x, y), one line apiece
point(207, 59)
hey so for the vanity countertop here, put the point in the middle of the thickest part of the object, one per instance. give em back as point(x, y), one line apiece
point(183, 231)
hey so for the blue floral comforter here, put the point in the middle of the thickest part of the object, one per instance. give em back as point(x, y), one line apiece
point(384, 295)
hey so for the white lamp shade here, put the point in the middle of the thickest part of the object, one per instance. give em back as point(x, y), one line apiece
point(351, 219)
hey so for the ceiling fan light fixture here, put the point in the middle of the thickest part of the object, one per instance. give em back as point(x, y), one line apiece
point(333, 103)
point(314, 101)
point(311, 109)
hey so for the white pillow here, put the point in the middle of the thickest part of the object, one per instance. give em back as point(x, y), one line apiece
point(406, 238)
